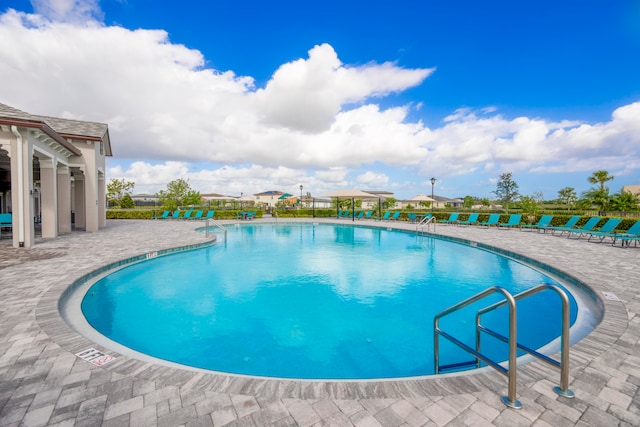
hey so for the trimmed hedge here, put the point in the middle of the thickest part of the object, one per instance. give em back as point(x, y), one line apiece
point(557, 221)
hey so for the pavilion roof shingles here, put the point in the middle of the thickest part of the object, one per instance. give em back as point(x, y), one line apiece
point(13, 113)
point(93, 130)
point(65, 128)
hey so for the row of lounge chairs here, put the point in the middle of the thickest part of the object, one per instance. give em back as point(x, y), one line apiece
point(346, 213)
point(187, 214)
point(493, 220)
point(246, 215)
point(388, 215)
point(607, 230)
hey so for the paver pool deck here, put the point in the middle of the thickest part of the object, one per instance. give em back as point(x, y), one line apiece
point(42, 382)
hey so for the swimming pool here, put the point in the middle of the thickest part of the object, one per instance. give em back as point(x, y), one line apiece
point(311, 301)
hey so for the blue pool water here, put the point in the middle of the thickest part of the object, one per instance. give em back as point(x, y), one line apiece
point(316, 302)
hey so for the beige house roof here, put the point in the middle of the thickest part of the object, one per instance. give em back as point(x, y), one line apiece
point(633, 189)
point(62, 128)
point(270, 193)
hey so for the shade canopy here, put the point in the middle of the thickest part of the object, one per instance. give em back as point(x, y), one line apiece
point(285, 196)
point(421, 198)
point(350, 194)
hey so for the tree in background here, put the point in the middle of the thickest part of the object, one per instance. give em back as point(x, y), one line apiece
point(127, 202)
point(506, 190)
point(178, 193)
point(388, 203)
point(596, 197)
point(568, 196)
point(529, 204)
point(624, 202)
point(467, 202)
point(600, 177)
point(117, 189)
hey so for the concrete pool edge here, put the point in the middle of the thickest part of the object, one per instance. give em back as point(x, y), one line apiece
point(52, 323)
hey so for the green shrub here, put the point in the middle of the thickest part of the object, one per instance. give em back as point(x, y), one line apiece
point(130, 213)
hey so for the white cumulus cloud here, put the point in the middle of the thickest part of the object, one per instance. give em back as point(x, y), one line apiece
point(317, 121)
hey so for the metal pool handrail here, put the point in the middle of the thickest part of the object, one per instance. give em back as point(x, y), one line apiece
point(425, 222)
point(217, 224)
point(510, 372)
point(563, 364)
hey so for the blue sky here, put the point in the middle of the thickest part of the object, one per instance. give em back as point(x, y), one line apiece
point(255, 96)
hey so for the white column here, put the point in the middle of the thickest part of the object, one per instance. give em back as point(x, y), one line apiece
point(49, 198)
point(64, 199)
point(79, 201)
point(102, 200)
point(21, 154)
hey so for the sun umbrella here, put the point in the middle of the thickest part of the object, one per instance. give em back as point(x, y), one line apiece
point(350, 194)
point(421, 198)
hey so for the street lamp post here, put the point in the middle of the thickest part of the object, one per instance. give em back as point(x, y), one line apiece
point(301, 187)
point(433, 201)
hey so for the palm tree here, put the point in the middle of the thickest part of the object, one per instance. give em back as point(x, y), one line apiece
point(624, 202)
point(600, 177)
point(596, 197)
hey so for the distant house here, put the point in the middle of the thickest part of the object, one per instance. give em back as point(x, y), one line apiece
point(268, 198)
point(144, 199)
point(633, 189)
point(373, 203)
point(215, 196)
point(52, 173)
point(317, 203)
point(444, 202)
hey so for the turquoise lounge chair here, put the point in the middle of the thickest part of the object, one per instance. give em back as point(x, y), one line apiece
point(514, 221)
point(198, 215)
point(588, 226)
point(6, 221)
point(606, 230)
point(368, 215)
point(385, 217)
point(626, 240)
point(569, 224)
point(632, 234)
point(175, 215)
point(544, 221)
point(473, 218)
point(187, 214)
point(493, 220)
point(453, 218)
point(339, 214)
point(164, 215)
point(210, 215)
point(412, 217)
point(360, 215)
point(395, 216)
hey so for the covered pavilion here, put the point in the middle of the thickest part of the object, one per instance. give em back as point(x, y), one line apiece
point(52, 174)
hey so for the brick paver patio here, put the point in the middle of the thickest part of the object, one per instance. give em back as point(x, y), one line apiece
point(42, 382)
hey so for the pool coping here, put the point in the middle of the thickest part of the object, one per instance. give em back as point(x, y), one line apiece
point(603, 337)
